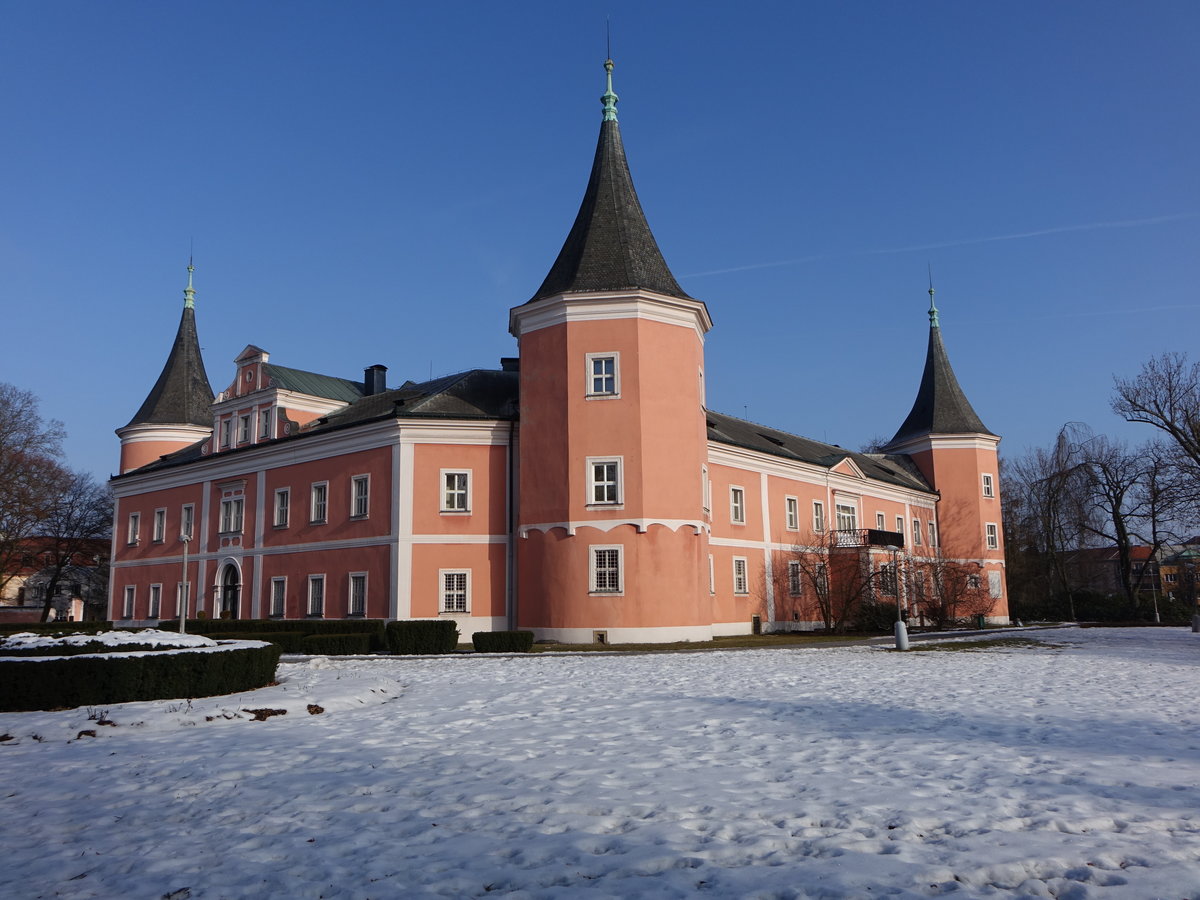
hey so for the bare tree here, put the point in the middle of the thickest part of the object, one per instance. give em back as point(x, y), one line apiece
point(78, 518)
point(828, 578)
point(957, 591)
point(1165, 395)
point(30, 472)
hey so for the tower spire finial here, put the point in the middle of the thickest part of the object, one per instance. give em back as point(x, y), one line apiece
point(189, 292)
point(933, 310)
point(609, 99)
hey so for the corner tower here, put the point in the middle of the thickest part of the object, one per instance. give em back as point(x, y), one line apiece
point(611, 533)
point(176, 412)
point(958, 457)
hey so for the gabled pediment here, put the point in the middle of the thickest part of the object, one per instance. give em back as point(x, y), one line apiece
point(847, 467)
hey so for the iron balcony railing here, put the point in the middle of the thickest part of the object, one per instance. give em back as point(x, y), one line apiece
point(868, 537)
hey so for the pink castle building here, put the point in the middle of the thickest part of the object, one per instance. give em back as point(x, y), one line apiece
point(582, 490)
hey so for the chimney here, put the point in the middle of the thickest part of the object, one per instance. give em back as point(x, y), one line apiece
point(374, 379)
point(510, 364)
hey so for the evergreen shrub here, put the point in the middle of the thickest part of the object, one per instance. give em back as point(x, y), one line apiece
point(55, 627)
point(335, 644)
point(208, 627)
point(502, 641)
point(109, 678)
point(287, 641)
point(422, 636)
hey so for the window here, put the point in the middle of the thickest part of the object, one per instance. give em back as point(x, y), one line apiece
point(187, 521)
point(847, 517)
point(737, 506)
point(712, 575)
point(243, 429)
point(993, 536)
point(880, 519)
point(705, 489)
point(794, 582)
point(604, 481)
point(360, 496)
point(1171, 578)
point(741, 580)
point(932, 534)
point(264, 424)
point(455, 591)
point(283, 502)
point(183, 590)
point(130, 596)
point(989, 489)
point(278, 596)
point(603, 376)
point(973, 582)
point(900, 525)
point(317, 502)
point(792, 506)
point(606, 570)
point(821, 581)
point(160, 525)
point(135, 527)
point(155, 600)
point(226, 428)
point(818, 516)
point(231, 515)
point(316, 595)
point(358, 594)
point(917, 532)
point(995, 588)
point(456, 491)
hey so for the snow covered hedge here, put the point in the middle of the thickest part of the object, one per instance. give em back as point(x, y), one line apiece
point(148, 665)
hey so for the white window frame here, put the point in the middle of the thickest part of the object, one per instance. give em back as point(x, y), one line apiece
point(791, 513)
point(361, 578)
point(155, 610)
point(592, 375)
point(932, 533)
point(282, 510)
point(159, 534)
point(705, 489)
point(846, 521)
point(134, 531)
point(900, 525)
point(244, 432)
point(989, 485)
point(881, 521)
point(278, 597)
point(448, 601)
point(187, 521)
point(130, 600)
point(916, 532)
point(995, 585)
point(992, 533)
point(316, 597)
point(712, 575)
point(318, 501)
point(232, 515)
point(226, 430)
point(360, 500)
point(180, 588)
point(795, 576)
point(265, 418)
point(818, 517)
point(617, 483)
point(737, 504)
point(741, 576)
point(456, 500)
point(595, 571)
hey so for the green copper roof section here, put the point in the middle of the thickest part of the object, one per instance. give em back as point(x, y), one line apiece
point(608, 98)
point(189, 292)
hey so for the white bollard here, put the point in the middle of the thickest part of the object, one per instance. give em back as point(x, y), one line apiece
point(901, 636)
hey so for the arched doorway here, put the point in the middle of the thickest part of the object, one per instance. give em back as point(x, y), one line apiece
point(230, 592)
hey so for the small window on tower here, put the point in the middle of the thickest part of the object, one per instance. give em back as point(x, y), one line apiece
point(603, 375)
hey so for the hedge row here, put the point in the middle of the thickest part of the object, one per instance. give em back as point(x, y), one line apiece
point(287, 641)
point(502, 641)
point(92, 680)
point(78, 649)
point(55, 627)
point(208, 627)
point(335, 644)
point(422, 636)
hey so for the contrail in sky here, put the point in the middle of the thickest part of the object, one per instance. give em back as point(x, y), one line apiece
point(1091, 226)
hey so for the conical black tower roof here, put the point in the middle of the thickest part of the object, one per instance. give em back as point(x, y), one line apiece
point(941, 406)
point(182, 394)
point(610, 246)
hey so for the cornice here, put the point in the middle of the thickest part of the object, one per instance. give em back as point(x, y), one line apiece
point(607, 306)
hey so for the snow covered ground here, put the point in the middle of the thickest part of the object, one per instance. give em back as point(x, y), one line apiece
point(1069, 772)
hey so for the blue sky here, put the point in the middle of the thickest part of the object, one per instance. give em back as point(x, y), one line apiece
point(376, 182)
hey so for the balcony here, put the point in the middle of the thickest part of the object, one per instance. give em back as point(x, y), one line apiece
point(868, 537)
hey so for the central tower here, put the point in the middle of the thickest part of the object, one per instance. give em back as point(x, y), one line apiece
point(612, 533)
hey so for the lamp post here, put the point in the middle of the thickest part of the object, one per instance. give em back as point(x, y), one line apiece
point(901, 630)
point(183, 587)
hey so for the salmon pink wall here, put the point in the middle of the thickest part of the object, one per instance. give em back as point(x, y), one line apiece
point(488, 467)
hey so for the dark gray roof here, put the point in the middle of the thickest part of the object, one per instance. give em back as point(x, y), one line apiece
point(314, 385)
point(941, 406)
point(182, 395)
point(610, 246)
point(891, 468)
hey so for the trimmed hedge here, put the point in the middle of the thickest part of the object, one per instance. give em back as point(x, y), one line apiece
point(502, 641)
point(287, 641)
point(209, 627)
point(93, 680)
point(55, 627)
point(78, 649)
point(335, 644)
point(422, 636)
